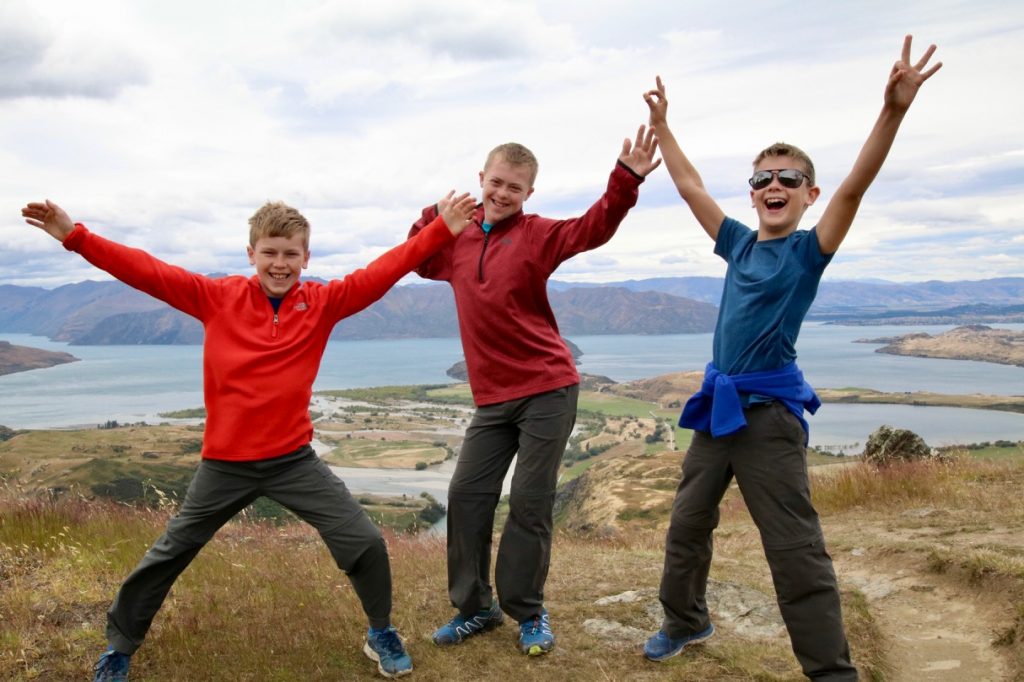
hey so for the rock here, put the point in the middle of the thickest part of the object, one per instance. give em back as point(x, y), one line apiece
point(624, 636)
point(888, 445)
point(746, 611)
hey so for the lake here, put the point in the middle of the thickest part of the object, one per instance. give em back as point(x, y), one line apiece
point(134, 383)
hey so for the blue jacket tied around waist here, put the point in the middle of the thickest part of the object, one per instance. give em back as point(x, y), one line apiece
point(717, 407)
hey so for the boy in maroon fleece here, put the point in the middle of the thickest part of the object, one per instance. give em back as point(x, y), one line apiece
point(264, 337)
point(524, 383)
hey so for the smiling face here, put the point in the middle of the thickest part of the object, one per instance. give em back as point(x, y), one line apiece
point(279, 261)
point(779, 208)
point(505, 187)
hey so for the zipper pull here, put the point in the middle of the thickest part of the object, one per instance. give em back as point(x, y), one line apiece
point(274, 334)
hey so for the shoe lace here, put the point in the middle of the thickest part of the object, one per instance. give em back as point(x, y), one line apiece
point(533, 626)
point(391, 643)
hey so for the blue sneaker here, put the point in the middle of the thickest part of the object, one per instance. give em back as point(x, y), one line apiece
point(386, 648)
point(535, 637)
point(660, 646)
point(458, 628)
point(112, 667)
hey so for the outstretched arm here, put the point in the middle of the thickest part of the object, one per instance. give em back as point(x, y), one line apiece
point(50, 218)
point(684, 175)
point(904, 81)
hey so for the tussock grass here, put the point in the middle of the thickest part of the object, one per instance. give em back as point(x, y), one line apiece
point(266, 602)
point(957, 482)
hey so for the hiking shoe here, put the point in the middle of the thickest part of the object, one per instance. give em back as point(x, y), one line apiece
point(386, 647)
point(660, 646)
point(112, 667)
point(535, 637)
point(459, 628)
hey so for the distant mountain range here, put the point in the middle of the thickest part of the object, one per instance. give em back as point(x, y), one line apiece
point(97, 313)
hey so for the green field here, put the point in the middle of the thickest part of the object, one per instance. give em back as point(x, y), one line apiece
point(614, 406)
point(404, 454)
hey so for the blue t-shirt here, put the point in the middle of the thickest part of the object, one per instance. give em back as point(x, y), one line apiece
point(769, 286)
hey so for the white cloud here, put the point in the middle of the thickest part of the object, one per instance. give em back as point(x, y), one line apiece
point(166, 125)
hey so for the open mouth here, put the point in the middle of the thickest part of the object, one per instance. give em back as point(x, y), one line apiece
point(775, 203)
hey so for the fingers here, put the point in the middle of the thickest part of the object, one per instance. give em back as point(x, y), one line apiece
point(906, 48)
point(639, 137)
point(931, 72)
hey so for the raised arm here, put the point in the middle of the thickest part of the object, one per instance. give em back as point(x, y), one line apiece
point(901, 89)
point(684, 175)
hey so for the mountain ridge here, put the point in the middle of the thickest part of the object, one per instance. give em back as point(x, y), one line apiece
point(111, 313)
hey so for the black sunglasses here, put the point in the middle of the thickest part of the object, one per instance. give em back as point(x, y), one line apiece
point(788, 177)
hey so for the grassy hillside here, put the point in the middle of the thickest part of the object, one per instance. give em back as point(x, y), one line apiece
point(265, 602)
point(930, 558)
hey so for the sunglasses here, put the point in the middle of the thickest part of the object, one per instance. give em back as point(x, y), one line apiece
point(789, 177)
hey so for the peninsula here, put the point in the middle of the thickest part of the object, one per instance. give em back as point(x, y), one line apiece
point(972, 342)
point(23, 358)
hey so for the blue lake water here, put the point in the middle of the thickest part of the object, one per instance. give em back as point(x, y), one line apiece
point(134, 383)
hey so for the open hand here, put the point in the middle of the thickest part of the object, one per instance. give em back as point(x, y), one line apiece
point(905, 79)
point(48, 217)
point(639, 156)
point(457, 211)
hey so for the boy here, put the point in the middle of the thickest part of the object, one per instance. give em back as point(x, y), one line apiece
point(748, 416)
point(264, 337)
point(524, 383)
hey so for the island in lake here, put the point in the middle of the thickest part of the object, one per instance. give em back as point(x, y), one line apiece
point(971, 342)
point(23, 358)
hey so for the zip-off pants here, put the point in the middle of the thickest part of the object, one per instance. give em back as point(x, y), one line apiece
point(299, 481)
point(536, 427)
point(769, 462)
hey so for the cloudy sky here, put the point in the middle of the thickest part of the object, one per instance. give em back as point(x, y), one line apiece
point(165, 125)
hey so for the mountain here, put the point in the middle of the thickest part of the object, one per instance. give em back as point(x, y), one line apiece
point(112, 313)
point(851, 296)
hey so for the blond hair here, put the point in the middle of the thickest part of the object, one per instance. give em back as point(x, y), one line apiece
point(515, 154)
point(277, 219)
point(783, 149)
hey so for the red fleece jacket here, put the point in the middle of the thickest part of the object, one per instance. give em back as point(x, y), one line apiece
point(509, 335)
point(258, 366)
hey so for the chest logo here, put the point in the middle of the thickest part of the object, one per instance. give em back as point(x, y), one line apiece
point(301, 306)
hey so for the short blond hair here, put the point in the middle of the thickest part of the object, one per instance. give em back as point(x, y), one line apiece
point(278, 219)
point(516, 155)
point(783, 149)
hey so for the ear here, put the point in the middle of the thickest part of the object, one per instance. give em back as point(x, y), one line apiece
point(529, 193)
point(481, 178)
point(751, 198)
point(305, 261)
point(812, 196)
point(252, 255)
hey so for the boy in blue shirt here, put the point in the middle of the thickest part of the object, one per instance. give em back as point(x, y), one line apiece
point(748, 416)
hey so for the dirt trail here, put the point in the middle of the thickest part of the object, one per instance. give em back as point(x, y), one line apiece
point(935, 631)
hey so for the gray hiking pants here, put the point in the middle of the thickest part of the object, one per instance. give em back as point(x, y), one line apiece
point(299, 481)
point(769, 462)
point(537, 428)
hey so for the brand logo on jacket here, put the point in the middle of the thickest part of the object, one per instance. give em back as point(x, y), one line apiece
point(301, 306)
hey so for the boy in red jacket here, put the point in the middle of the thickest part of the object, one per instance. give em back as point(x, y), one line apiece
point(264, 337)
point(524, 383)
